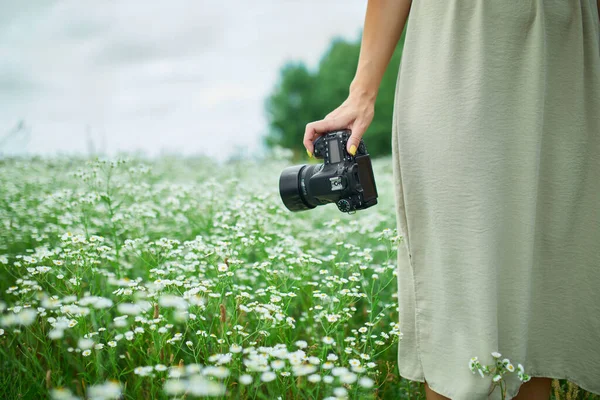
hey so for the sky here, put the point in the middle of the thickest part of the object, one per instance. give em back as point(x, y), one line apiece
point(153, 76)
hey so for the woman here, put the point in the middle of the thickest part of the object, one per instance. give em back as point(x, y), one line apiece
point(496, 152)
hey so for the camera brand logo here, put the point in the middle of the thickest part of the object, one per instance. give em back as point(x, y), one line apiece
point(336, 183)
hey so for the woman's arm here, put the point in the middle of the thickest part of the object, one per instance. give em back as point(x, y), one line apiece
point(384, 23)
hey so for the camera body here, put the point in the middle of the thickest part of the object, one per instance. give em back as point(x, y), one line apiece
point(343, 179)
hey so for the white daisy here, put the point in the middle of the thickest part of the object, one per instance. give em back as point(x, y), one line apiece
point(200, 386)
point(327, 365)
point(366, 382)
point(328, 340)
point(105, 391)
point(268, 376)
point(222, 267)
point(235, 348)
point(354, 362)
point(303, 369)
point(314, 360)
point(277, 364)
point(175, 387)
point(348, 378)
point(85, 344)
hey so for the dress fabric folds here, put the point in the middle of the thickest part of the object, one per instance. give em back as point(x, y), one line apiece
point(496, 153)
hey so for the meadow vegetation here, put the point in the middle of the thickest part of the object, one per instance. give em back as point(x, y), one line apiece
point(179, 278)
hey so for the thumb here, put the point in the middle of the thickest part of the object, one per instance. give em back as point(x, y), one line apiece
point(354, 139)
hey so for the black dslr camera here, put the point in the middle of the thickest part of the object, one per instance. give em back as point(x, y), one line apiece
point(343, 179)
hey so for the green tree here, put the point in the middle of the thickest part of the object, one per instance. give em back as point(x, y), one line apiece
point(289, 106)
point(301, 96)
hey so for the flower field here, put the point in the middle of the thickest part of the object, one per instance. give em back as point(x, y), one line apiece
point(177, 278)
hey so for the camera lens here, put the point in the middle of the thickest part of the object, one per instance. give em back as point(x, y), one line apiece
point(293, 187)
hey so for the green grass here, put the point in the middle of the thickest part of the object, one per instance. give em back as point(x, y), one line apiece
point(196, 269)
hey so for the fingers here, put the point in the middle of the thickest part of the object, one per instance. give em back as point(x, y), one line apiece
point(317, 128)
point(358, 130)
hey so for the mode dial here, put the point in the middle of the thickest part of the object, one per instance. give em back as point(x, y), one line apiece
point(343, 205)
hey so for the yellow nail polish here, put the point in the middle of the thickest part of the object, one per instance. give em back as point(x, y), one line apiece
point(353, 149)
point(309, 153)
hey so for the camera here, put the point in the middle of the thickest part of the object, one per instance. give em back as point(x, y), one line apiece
point(343, 179)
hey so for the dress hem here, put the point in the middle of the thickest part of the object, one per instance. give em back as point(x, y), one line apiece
point(531, 374)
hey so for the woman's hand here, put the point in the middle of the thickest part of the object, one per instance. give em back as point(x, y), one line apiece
point(355, 113)
point(384, 22)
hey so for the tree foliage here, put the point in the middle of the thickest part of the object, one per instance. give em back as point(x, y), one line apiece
point(301, 96)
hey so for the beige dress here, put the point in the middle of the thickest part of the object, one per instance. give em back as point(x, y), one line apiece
point(496, 151)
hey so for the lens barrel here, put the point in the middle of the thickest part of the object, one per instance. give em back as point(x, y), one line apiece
point(290, 190)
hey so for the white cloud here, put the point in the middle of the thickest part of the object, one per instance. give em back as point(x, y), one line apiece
point(186, 76)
